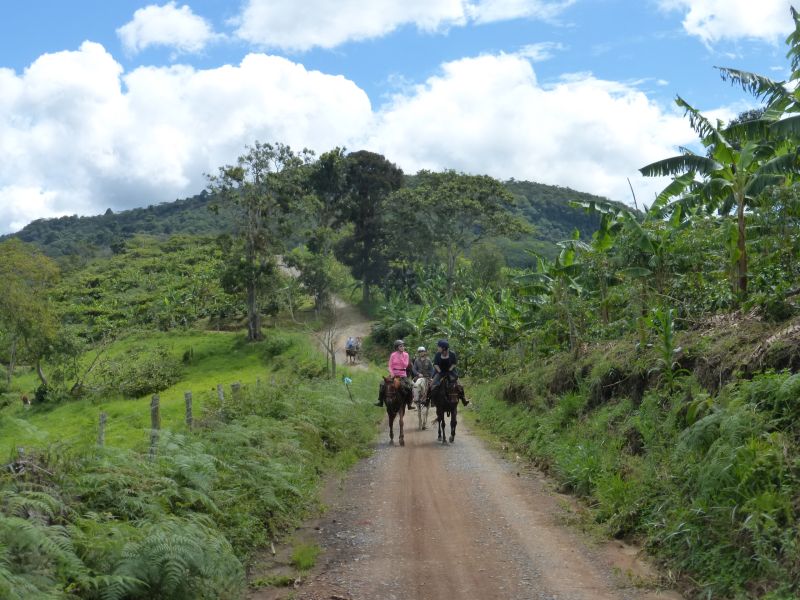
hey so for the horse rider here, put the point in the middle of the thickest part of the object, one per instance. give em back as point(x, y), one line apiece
point(351, 343)
point(444, 364)
point(422, 367)
point(399, 366)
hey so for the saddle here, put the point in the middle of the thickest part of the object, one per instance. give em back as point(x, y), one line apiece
point(395, 386)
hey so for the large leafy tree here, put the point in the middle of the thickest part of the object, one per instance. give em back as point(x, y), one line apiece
point(327, 185)
point(741, 161)
point(370, 179)
point(450, 212)
point(266, 186)
point(27, 318)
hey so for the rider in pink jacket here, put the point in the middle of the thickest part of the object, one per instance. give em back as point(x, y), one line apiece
point(399, 366)
point(398, 362)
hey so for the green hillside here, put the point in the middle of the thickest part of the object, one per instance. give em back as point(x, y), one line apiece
point(74, 236)
point(546, 207)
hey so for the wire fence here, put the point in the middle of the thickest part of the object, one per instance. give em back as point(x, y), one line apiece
point(103, 423)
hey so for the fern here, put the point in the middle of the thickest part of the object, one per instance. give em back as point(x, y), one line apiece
point(180, 559)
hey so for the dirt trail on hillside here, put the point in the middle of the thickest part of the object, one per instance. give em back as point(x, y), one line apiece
point(349, 322)
point(461, 521)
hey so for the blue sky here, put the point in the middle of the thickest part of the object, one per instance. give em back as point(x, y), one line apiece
point(123, 104)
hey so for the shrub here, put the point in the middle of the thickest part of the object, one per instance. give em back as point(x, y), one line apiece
point(138, 371)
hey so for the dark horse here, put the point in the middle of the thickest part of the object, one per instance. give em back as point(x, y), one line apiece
point(396, 397)
point(445, 398)
point(353, 351)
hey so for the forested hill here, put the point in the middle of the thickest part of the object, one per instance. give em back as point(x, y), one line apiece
point(548, 209)
point(86, 236)
point(545, 206)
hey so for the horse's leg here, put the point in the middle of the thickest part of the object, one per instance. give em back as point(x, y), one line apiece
point(453, 423)
point(423, 400)
point(418, 402)
point(401, 415)
point(391, 426)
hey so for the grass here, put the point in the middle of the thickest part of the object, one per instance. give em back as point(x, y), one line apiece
point(712, 494)
point(247, 474)
point(304, 556)
point(217, 358)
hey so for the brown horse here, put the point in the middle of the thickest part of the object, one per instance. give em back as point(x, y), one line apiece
point(395, 397)
point(353, 352)
point(445, 398)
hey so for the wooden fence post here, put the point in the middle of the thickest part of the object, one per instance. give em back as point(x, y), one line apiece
point(101, 431)
point(187, 396)
point(235, 387)
point(155, 425)
point(220, 394)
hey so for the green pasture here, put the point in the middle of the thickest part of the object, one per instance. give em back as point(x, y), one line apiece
point(285, 358)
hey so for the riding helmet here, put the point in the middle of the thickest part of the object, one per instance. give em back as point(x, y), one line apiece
point(443, 344)
point(398, 343)
point(421, 349)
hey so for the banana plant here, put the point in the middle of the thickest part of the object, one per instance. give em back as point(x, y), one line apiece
point(741, 162)
point(557, 282)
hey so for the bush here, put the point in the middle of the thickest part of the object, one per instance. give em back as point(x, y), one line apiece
point(275, 344)
point(139, 371)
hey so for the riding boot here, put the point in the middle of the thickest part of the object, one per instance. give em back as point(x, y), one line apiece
point(381, 395)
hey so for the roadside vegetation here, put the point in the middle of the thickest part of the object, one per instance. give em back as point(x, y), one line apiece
point(650, 366)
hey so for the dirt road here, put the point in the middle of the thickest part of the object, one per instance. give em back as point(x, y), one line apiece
point(428, 521)
point(349, 322)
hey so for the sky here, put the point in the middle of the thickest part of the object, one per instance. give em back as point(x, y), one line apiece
point(120, 104)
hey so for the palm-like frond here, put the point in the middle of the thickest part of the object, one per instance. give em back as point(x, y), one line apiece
point(787, 128)
point(793, 41)
point(709, 134)
point(677, 187)
point(755, 129)
point(678, 165)
point(764, 88)
point(780, 165)
point(762, 182)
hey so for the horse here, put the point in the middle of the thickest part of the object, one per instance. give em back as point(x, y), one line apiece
point(353, 351)
point(445, 398)
point(420, 395)
point(395, 398)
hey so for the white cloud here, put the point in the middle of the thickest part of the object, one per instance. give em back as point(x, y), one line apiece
point(490, 115)
point(166, 25)
point(488, 11)
point(78, 135)
point(716, 20)
point(292, 25)
point(541, 52)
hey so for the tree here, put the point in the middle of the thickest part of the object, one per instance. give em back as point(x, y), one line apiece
point(26, 314)
point(741, 163)
point(370, 178)
point(327, 184)
point(453, 211)
point(266, 186)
